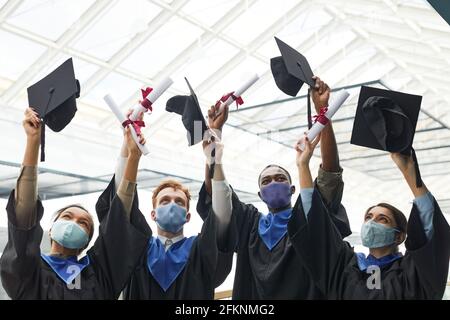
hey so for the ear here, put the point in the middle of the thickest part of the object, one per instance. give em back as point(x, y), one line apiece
point(259, 195)
point(400, 237)
point(153, 215)
point(188, 217)
point(292, 189)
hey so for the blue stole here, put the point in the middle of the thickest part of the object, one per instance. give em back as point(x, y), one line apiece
point(273, 227)
point(364, 263)
point(66, 269)
point(166, 266)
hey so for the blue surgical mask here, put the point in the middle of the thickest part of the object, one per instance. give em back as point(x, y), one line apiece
point(276, 194)
point(69, 234)
point(171, 217)
point(377, 235)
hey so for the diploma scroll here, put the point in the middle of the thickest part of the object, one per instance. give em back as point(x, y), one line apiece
point(157, 91)
point(336, 102)
point(121, 117)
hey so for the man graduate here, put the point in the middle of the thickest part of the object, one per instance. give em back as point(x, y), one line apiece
point(267, 264)
point(175, 266)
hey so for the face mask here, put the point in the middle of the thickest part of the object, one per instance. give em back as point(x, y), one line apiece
point(171, 217)
point(377, 235)
point(276, 195)
point(69, 234)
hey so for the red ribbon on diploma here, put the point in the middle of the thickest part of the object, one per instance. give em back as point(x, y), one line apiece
point(137, 125)
point(239, 100)
point(321, 117)
point(147, 104)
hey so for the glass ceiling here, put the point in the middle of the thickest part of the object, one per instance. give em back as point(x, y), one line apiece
point(120, 46)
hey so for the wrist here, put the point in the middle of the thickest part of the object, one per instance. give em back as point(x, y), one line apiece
point(134, 156)
point(34, 139)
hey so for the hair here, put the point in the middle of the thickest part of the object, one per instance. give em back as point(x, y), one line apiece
point(275, 166)
point(399, 217)
point(170, 184)
point(79, 206)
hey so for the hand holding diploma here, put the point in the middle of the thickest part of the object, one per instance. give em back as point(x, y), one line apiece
point(134, 125)
point(324, 116)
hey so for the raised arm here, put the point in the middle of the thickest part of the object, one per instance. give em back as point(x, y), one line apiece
point(127, 186)
point(424, 201)
point(328, 147)
point(304, 172)
point(26, 188)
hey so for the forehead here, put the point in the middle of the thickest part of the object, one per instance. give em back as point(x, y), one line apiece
point(272, 171)
point(172, 193)
point(381, 210)
point(78, 213)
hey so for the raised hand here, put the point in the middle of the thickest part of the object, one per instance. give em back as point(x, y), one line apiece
point(320, 94)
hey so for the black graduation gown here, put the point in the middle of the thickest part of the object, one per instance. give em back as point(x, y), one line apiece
point(261, 273)
point(206, 268)
point(113, 257)
point(420, 274)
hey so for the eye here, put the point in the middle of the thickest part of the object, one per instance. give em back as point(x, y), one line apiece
point(65, 217)
point(280, 179)
point(164, 201)
point(180, 203)
point(384, 220)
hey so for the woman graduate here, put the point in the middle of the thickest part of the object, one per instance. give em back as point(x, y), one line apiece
point(63, 274)
point(267, 264)
point(342, 273)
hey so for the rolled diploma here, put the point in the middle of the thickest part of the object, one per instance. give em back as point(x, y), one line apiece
point(334, 106)
point(119, 115)
point(239, 91)
point(157, 91)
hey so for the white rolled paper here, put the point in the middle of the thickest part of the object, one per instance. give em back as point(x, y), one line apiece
point(157, 91)
point(251, 81)
point(121, 117)
point(336, 102)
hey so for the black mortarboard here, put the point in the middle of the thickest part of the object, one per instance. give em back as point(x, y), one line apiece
point(290, 71)
point(386, 120)
point(192, 117)
point(54, 98)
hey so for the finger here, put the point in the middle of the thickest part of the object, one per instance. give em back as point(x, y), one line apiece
point(317, 83)
point(321, 87)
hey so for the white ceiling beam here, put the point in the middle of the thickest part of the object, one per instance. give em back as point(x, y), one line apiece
point(50, 54)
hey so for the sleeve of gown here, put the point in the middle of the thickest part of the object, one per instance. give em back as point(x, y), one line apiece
point(319, 243)
point(428, 259)
point(242, 217)
point(121, 241)
point(331, 187)
point(20, 261)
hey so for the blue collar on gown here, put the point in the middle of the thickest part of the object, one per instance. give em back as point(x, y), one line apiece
point(166, 266)
point(273, 227)
point(66, 269)
point(364, 263)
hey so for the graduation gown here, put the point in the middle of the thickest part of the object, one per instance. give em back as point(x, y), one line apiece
point(113, 257)
point(420, 274)
point(261, 273)
point(206, 268)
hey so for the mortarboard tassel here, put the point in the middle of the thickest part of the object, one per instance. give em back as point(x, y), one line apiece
point(419, 182)
point(308, 103)
point(50, 91)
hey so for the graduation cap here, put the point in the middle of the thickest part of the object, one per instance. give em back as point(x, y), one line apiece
point(54, 99)
point(290, 71)
point(386, 120)
point(192, 117)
